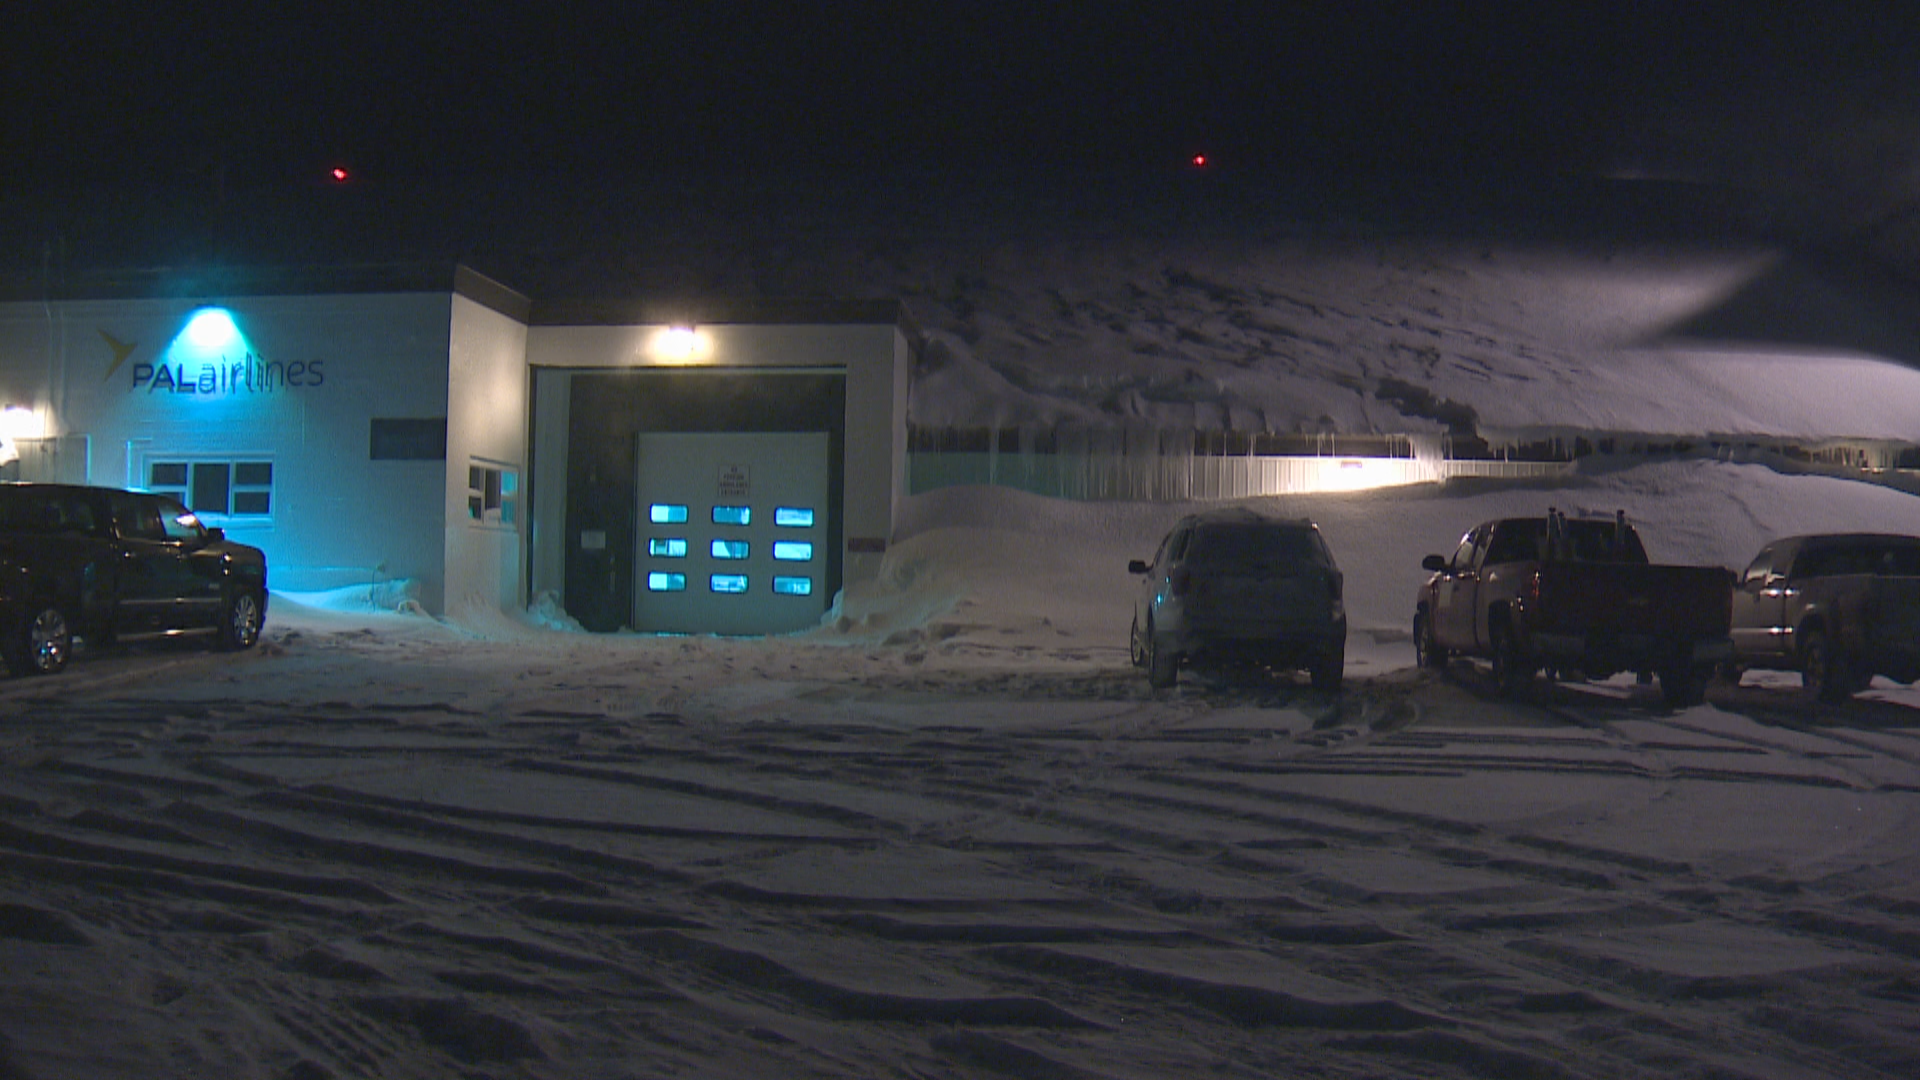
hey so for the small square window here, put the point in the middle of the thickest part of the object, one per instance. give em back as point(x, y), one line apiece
point(668, 547)
point(793, 517)
point(793, 586)
point(252, 503)
point(792, 550)
point(733, 515)
point(660, 581)
point(667, 514)
point(252, 473)
point(728, 583)
point(492, 494)
point(168, 474)
point(729, 549)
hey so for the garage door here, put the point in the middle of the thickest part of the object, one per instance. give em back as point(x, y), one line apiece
point(733, 532)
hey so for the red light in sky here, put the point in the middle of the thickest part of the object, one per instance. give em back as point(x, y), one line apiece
point(339, 174)
point(1199, 161)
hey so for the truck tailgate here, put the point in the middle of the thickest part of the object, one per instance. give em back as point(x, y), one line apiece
point(1893, 615)
point(1669, 602)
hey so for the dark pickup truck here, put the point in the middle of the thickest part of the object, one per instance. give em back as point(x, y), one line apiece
point(1839, 608)
point(1549, 592)
point(106, 565)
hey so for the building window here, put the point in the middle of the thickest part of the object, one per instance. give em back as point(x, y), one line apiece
point(667, 547)
point(493, 493)
point(733, 515)
point(727, 583)
point(793, 517)
point(667, 514)
point(793, 586)
point(229, 488)
point(793, 550)
point(730, 549)
point(661, 581)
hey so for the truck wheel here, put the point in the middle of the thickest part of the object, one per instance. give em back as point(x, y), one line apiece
point(1427, 652)
point(1825, 674)
point(1683, 687)
point(1511, 672)
point(241, 615)
point(1163, 664)
point(41, 643)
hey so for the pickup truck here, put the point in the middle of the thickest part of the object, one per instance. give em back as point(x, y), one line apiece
point(1564, 595)
point(1839, 608)
point(106, 565)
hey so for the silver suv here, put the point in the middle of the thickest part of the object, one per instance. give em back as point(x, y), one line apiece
point(1232, 585)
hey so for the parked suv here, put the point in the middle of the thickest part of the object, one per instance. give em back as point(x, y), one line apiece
point(1839, 608)
point(105, 565)
point(1233, 585)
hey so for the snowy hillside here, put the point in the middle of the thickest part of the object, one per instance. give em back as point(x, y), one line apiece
point(1263, 305)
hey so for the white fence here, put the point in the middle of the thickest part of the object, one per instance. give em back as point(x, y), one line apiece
point(1192, 478)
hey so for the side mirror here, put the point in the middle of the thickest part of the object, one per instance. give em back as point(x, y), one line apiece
point(1435, 563)
point(1137, 566)
point(215, 534)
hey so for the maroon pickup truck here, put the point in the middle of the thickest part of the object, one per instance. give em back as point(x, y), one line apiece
point(1564, 595)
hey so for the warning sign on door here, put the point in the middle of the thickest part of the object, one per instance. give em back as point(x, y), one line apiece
point(735, 482)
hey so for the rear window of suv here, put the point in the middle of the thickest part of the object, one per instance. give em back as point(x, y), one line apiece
point(1225, 544)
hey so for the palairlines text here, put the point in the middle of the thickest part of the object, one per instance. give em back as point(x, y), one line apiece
point(253, 375)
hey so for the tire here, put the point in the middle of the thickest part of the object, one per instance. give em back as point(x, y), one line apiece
point(1683, 687)
point(1136, 650)
point(41, 643)
point(241, 616)
point(1427, 652)
point(1328, 670)
point(1825, 674)
point(1511, 673)
point(1163, 665)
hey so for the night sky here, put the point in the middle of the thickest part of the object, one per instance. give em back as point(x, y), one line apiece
point(225, 98)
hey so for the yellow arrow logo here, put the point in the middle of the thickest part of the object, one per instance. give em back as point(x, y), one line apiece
point(121, 350)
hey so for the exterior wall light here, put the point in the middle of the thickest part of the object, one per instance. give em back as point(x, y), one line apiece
point(680, 343)
point(212, 328)
point(20, 422)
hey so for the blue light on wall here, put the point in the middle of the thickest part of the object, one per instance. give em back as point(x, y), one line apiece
point(212, 329)
point(210, 358)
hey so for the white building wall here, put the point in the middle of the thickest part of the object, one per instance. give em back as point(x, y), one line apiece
point(486, 428)
point(93, 368)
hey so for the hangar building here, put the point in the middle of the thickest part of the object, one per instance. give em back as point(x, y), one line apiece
point(685, 469)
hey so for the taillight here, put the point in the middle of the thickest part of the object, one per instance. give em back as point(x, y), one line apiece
point(1533, 590)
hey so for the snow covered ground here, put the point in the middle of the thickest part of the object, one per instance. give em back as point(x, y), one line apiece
point(952, 834)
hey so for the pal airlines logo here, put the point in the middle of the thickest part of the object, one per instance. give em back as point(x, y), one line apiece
point(216, 372)
point(121, 350)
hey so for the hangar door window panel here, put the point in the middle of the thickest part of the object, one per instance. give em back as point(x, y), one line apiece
point(222, 488)
point(749, 507)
